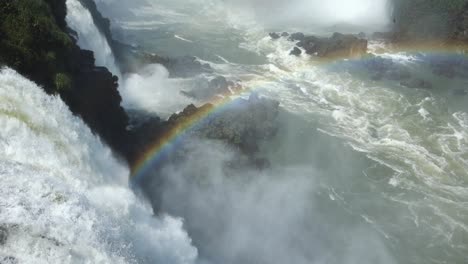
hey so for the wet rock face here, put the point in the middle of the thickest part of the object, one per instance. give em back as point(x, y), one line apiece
point(3, 235)
point(96, 99)
point(296, 37)
point(219, 86)
point(8, 260)
point(338, 45)
point(430, 20)
point(242, 123)
point(296, 51)
point(274, 36)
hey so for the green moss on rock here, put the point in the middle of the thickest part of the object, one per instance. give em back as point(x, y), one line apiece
point(62, 82)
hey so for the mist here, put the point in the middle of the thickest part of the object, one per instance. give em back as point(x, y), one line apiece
point(305, 13)
point(301, 15)
point(283, 214)
point(151, 90)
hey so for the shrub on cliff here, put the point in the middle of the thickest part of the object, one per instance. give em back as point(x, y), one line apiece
point(31, 41)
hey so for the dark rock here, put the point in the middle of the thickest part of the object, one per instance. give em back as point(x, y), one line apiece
point(416, 83)
point(216, 86)
point(54, 241)
point(274, 35)
point(184, 67)
point(132, 59)
point(296, 36)
point(296, 51)
point(361, 35)
point(461, 25)
point(8, 260)
point(96, 99)
point(338, 45)
point(285, 34)
point(47, 55)
point(243, 123)
point(3, 235)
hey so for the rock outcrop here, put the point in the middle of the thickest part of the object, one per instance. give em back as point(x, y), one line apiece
point(432, 20)
point(338, 45)
point(206, 90)
point(34, 42)
point(132, 59)
point(242, 123)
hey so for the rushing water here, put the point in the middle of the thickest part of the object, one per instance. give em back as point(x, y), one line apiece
point(363, 171)
point(64, 197)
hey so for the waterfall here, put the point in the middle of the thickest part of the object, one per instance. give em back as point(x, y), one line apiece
point(89, 37)
point(64, 197)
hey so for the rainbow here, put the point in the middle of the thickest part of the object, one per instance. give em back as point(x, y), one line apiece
point(159, 151)
point(166, 143)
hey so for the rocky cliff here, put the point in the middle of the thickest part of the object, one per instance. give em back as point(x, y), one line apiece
point(35, 41)
point(431, 19)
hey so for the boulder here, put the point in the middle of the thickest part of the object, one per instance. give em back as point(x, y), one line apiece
point(296, 36)
point(242, 123)
point(296, 51)
point(3, 235)
point(8, 260)
point(274, 35)
point(217, 86)
point(338, 45)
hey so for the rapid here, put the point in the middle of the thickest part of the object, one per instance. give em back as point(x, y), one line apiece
point(363, 170)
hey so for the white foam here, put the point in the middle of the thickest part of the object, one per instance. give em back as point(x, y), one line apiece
point(89, 36)
point(183, 39)
point(64, 197)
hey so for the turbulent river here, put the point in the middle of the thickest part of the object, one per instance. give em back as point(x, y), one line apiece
point(363, 170)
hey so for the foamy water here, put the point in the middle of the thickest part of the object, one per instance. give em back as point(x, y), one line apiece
point(64, 197)
point(413, 191)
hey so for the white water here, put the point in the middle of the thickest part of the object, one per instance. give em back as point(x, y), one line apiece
point(144, 90)
point(89, 37)
point(64, 197)
point(413, 192)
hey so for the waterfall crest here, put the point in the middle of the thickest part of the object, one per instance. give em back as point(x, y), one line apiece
point(89, 37)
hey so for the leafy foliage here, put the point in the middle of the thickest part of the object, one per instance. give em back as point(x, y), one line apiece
point(31, 40)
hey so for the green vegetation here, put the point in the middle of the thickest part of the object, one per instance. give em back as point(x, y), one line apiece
point(62, 82)
point(33, 43)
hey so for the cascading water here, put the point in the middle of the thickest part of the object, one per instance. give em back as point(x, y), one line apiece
point(384, 180)
point(64, 197)
point(89, 37)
